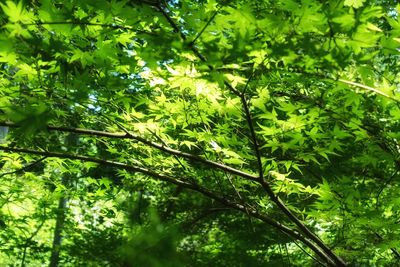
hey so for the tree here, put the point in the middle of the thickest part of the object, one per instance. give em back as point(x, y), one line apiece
point(262, 132)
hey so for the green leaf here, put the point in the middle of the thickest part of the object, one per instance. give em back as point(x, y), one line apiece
point(354, 3)
point(16, 12)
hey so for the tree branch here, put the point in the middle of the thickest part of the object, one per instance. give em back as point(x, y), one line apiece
point(26, 167)
point(368, 88)
point(394, 250)
point(194, 187)
point(128, 135)
point(268, 189)
point(330, 256)
point(80, 23)
point(204, 27)
point(192, 47)
point(29, 239)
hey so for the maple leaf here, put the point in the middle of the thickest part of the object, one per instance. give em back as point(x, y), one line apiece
point(354, 3)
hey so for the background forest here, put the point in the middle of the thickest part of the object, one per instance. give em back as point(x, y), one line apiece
point(199, 133)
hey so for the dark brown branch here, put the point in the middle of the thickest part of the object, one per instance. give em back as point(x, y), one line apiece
point(181, 34)
point(394, 250)
point(97, 160)
point(80, 23)
point(180, 182)
point(328, 253)
point(25, 168)
point(127, 135)
point(162, 9)
point(162, 177)
point(192, 47)
point(268, 189)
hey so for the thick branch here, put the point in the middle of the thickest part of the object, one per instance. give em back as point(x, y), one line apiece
point(267, 187)
point(99, 161)
point(331, 256)
point(252, 212)
point(191, 157)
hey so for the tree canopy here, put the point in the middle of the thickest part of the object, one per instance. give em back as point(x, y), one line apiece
point(199, 133)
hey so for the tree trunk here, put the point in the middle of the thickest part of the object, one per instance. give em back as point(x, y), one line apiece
point(57, 238)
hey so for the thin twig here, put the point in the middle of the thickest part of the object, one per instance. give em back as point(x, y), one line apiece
point(384, 185)
point(205, 214)
point(204, 27)
point(241, 200)
point(28, 240)
point(79, 23)
point(26, 167)
point(365, 87)
point(394, 250)
point(308, 254)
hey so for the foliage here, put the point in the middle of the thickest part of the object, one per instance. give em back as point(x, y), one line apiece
point(263, 133)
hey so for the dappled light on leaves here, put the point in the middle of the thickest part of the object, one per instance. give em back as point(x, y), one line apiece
point(199, 133)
